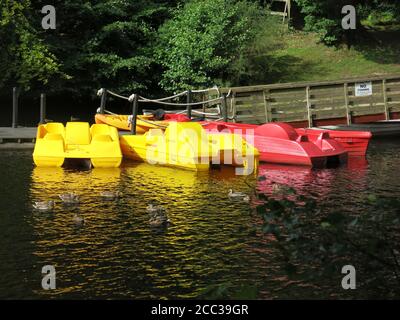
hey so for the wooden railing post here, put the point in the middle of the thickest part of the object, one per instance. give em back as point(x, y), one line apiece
point(385, 100)
point(42, 108)
point(224, 108)
point(135, 104)
point(234, 110)
point(15, 107)
point(266, 106)
point(309, 112)
point(103, 100)
point(203, 97)
point(189, 106)
point(346, 103)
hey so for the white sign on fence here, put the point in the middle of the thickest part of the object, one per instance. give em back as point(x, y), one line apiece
point(363, 89)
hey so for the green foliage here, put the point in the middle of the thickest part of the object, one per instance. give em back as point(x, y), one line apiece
point(133, 46)
point(379, 13)
point(199, 44)
point(107, 43)
point(316, 243)
point(148, 45)
point(24, 58)
point(324, 17)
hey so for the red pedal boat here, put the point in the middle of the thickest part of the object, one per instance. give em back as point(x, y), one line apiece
point(355, 142)
point(281, 143)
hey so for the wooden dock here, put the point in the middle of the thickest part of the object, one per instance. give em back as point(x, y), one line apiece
point(310, 104)
point(17, 138)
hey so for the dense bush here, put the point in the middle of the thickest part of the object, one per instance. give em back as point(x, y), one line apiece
point(316, 242)
point(97, 43)
point(325, 16)
point(202, 43)
point(378, 13)
point(107, 43)
point(145, 45)
point(24, 58)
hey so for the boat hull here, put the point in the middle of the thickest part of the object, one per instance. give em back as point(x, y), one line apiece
point(288, 151)
point(186, 145)
point(55, 144)
point(280, 143)
point(379, 129)
point(354, 142)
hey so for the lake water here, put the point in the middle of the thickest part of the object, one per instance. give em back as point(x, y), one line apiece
point(213, 240)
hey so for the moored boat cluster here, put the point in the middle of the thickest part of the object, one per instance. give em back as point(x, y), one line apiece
point(196, 145)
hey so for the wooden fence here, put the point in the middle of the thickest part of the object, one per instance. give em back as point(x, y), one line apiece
point(317, 103)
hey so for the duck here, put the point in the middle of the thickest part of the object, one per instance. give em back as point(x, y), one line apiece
point(44, 205)
point(159, 222)
point(237, 195)
point(69, 198)
point(280, 188)
point(152, 209)
point(111, 194)
point(158, 216)
point(159, 219)
point(78, 220)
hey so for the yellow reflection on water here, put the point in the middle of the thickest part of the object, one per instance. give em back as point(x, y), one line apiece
point(117, 246)
point(53, 181)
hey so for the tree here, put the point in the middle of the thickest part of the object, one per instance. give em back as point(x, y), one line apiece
point(198, 46)
point(325, 17)
point(24, 57)
point(106, 43)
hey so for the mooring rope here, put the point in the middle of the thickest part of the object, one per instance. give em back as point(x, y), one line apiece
point(203, 90)
point(206, 113)
point(162, 101)
point(143, 99)
point(117, 95)
point(175, 111)
point(106, 111)
point(167, 98)
point(179, 104)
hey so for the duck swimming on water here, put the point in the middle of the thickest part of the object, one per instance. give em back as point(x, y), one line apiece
point(69, 198)
point(158, 216)
point(280, 188)
point(111, 194)
point(159, 221)
point(151, 208)
point(78, 220)
point(44, 205)
point(238, 195)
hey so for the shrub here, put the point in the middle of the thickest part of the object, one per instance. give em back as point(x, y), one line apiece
point(199, 45)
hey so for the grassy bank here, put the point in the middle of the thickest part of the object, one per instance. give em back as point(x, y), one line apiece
point(300, 57)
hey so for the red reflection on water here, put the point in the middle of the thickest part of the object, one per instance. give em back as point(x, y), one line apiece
point(358, 163)
point(306, 181)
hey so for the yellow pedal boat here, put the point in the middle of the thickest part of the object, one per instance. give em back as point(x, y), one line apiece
point(187, 145)
point(98, 143)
